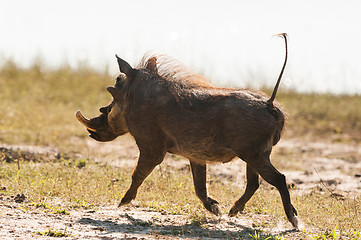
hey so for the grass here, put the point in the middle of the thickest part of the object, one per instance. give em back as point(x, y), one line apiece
point(326, 116)
point(54, 233)
point(37, 107)
point(93, 185)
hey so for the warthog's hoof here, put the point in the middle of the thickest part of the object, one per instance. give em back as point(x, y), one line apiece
point(293, 219)
point(294, 222)
point(235, 210)
point(211, 205)
point(124, 201)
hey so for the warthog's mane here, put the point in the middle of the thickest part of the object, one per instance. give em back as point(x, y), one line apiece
point(173, 70)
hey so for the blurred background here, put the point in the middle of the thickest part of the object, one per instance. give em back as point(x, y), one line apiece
point(57, 57)
point(229, 41)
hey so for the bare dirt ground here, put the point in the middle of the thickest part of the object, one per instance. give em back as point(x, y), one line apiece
point(334, 166)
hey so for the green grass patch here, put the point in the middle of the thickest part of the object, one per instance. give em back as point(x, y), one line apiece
point(54, 233)
point(79, 187)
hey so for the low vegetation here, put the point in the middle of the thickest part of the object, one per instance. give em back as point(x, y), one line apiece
point(326, 116)
point(97, 185)
point(37, 107)
point(54, 233)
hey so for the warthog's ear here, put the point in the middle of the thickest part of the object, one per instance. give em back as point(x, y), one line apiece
point(152, 65)
point(124, 67)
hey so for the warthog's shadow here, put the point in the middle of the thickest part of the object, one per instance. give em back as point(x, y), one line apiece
point(138, 226)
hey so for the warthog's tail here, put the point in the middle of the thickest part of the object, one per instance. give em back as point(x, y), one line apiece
point(272, 98)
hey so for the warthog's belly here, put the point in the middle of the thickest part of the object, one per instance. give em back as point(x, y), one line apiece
point(205, 154)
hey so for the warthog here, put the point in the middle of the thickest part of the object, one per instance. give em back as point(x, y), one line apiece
point(167, 108)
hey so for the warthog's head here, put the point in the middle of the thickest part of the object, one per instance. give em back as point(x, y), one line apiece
point(112, 123)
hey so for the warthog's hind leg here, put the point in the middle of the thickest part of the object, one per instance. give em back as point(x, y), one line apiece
point(270, 174)
point(252, 186)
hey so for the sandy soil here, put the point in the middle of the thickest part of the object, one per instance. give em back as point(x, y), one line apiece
point(336, 167)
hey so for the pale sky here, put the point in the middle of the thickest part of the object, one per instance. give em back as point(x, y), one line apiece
point(230, 42)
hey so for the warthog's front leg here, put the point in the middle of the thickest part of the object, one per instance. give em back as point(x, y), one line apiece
point(199, 179)
point(252, 186)
point(146, 163)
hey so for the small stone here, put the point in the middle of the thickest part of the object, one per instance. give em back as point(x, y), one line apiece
point(19, 198)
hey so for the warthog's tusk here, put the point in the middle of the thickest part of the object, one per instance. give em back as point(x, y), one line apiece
point(85, 121)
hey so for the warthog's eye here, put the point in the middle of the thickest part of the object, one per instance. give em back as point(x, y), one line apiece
point(120, 78)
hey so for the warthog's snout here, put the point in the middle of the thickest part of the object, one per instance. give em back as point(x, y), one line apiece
point(98, 127)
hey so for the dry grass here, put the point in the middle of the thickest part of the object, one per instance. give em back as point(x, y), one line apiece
point(337, 118)
point(37, 106)
point(81, 183)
